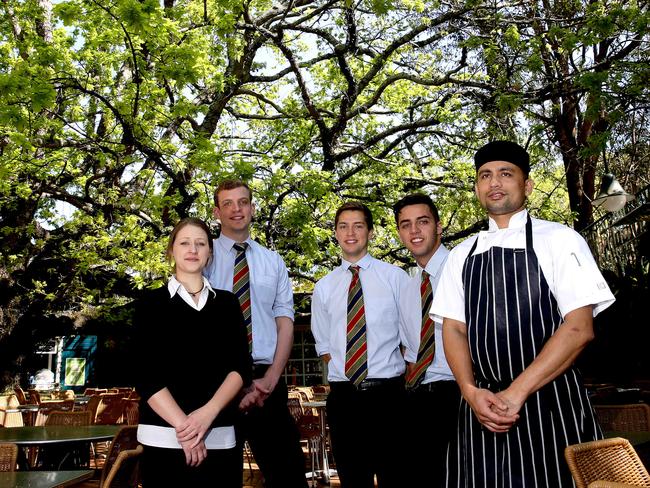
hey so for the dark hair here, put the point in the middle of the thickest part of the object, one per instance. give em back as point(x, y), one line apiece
point(415, 199)
point(179, 226)
point(230, 184)
point(357, 207)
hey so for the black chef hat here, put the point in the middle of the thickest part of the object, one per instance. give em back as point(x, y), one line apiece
point(503, 151)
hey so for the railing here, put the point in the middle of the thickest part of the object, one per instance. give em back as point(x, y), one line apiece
point(615, 239)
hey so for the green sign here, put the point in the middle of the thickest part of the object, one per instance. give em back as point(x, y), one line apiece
point(75, 371)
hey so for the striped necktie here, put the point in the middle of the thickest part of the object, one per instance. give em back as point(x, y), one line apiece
point(427, 336)
point(356, 355)
point(241, 288)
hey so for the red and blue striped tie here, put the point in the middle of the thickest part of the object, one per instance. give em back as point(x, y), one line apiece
point(427, 337)
point(241, 288)
point(356, 355)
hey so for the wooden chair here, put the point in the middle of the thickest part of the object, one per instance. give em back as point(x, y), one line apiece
point(121, 468)
point(633, 417)
point(607, 460)
point(8, 456)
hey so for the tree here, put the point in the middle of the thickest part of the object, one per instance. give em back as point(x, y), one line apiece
point(117, 118)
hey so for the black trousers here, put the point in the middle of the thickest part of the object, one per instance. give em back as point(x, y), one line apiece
point(162, 468)
point(431, 422)
point(366, 428)
point(274, 439)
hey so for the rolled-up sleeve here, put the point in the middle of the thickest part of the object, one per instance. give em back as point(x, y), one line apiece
point(320, 322)
point(283, 303)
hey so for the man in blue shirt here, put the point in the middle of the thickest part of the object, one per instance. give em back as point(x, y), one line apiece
point(356, 323)
point(260, 279)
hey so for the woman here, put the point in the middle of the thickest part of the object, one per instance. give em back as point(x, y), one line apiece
point(194, 360)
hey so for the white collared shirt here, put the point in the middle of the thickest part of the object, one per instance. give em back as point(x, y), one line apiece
point(174, 286)
point(382, 284)
point(438, 370)
point(563, 255)
point(270, 288)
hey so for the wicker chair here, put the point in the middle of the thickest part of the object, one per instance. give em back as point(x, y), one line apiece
point(624, 418)
point(8, 455)
point(121, 468)
point(60, 417)
point(131, 411)
point(72, 455)
point(607, 460)
point(108, 409)
point(49, 407)
point(12, 419)
point(309, 429)
point(20, 394)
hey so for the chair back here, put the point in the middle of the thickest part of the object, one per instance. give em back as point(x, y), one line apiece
point(76, 419)
point(34, 397)
point(110, 409)
point(612, 460)
point(20, 394)
point(131, 411)
point(94, 391)
point(633, 417)
point(13, 419)
point(49, 407)
point(8, 455)
point(117, 471)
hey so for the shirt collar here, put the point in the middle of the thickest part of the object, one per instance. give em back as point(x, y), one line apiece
point(227, 243)
point(516, 221)
point(173, 286)
point(434, 266)
point(363, 263)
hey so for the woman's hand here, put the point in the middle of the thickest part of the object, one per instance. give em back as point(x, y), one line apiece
point(194, 428)
point(194, 455)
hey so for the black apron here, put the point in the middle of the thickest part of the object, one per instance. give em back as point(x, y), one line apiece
point(510, 314)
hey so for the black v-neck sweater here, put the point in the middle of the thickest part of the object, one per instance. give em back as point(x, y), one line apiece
point(189, 352)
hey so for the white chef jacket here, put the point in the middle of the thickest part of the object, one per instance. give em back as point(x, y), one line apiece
point(563, 255)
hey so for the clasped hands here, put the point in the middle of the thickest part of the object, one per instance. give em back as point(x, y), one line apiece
point(256, 394)
point(498, 412)
point(191, 434)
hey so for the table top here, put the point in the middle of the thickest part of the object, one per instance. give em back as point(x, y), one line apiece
point(43, 479)
point(57, 433)
point(315, 404)
point(29, 407)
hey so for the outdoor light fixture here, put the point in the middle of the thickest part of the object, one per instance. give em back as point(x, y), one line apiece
point(612, 197)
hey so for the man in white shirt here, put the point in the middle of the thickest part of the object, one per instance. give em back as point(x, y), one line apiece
point(259, 278)
point(433, 395)
point(518, 302)
point(355, 321)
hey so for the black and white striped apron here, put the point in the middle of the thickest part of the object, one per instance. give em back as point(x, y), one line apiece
point(510, 314)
